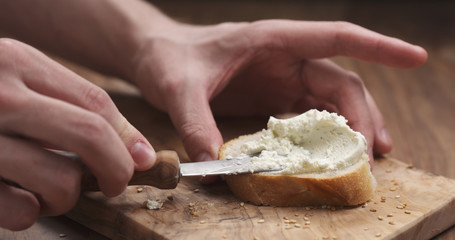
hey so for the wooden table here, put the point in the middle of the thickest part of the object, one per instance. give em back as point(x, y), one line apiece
point(418, 105)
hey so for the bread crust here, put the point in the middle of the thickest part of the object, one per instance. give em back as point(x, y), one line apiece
point(348, 187)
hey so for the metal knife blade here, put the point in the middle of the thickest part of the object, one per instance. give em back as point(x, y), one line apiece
point(237, 165)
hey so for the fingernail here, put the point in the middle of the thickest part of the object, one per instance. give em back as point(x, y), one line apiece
point(143, 155)
point(385, 136)
point(203, 157)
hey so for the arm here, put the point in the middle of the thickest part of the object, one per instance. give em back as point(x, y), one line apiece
point(102, 34)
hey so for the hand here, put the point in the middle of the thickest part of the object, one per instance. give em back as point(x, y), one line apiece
point(44, 104)
point(264, 68)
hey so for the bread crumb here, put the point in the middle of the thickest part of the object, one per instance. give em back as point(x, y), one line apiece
point(242, 204)
point(153, 204)
point(139, 189)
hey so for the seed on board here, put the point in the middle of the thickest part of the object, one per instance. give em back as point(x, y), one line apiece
point(307, 222)
point(372, 210)
point(388, 171)
point(196, 190)
point(391, 222)
point(62, 235)
point(380, 218)
point(365, 229)
point(261, 221)
point(285, 218)
point(410, 166)
point(378, 235)
point(242, 204)
point(407, 212)
point(170, 197)
point(397, 196)
point(393, 189)
point(139, 189)
point(390, 215)
point(202, 222)
point(297, 225)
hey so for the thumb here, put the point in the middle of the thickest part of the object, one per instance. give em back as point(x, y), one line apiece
point(193, 119)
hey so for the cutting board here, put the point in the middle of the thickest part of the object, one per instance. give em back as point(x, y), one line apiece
point(408, 204)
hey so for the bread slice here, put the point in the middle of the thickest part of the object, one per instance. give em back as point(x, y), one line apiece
point(348, 186)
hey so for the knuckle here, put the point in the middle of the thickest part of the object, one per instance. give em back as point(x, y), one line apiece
point(10, 51)
point(92, 129)
point(65, 192)
point(98, 100)
point(354, 80)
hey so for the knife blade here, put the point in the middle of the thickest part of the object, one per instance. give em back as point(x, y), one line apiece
point(166, 172)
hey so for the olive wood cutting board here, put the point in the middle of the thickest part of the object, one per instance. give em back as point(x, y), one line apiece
point(408, 204)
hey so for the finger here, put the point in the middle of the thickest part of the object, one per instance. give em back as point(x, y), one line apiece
point(20, 208)
point(194, 121)
point(382, 139)
point(55, 179)
point(191, 114)
point(58, 82)
point(76, 130)
point(327, 39)
point(327, 81)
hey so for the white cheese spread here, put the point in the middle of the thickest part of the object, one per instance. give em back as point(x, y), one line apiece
point(313, 142)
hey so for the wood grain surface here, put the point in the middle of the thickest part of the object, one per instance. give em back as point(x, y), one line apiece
point(418, 105)
point(408, 204)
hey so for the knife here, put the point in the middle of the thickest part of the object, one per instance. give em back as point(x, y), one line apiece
point(166, 172)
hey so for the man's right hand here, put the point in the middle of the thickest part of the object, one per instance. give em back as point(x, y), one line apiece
point(44, 104)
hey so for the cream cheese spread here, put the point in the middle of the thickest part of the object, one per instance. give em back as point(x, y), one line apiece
point(313, 142)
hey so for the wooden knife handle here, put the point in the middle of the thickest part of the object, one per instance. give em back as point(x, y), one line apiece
point(165, 174)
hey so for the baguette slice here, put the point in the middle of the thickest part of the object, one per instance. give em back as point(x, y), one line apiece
point(350, 186)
